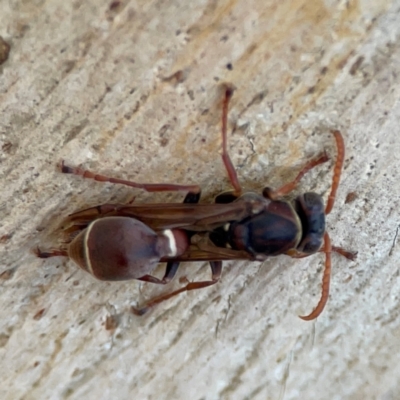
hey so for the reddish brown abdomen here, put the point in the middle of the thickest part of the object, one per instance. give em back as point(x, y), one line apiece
point(119, 248)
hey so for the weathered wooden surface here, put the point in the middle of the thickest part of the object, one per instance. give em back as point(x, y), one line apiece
point(96, 86)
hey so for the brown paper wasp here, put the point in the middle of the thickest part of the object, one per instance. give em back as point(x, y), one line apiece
point(126, 241)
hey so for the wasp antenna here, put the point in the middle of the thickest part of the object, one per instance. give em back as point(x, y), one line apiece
point(336, 171)
point(325, 282)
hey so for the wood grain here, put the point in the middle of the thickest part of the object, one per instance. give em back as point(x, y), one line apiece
point(131, 88)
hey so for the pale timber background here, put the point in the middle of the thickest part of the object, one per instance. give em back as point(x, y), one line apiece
point(96, 82)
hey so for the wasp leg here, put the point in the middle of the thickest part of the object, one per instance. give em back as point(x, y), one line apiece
point(350, 255)
point(148, 187)
point(325, 282)
point(337, 170)
point(50, 253)
point(216, 269)
point(232, 195)
point(230, 169)
point(288, 187)
point(170, 271)
point(328, 249)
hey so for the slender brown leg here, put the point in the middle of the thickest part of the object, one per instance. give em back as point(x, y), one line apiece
point(50, 253)
point(350, 255)
point(216, 268)
point(288, 187)
point(336, 171)
point(170, 271)
point(327, 249)
point(230, 169)
point(325, 282)
point(148, 187)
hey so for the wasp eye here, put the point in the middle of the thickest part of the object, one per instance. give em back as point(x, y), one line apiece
point(310, 208)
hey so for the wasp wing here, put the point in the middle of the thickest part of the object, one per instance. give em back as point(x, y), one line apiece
point(158, 216)
point(211, 253)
